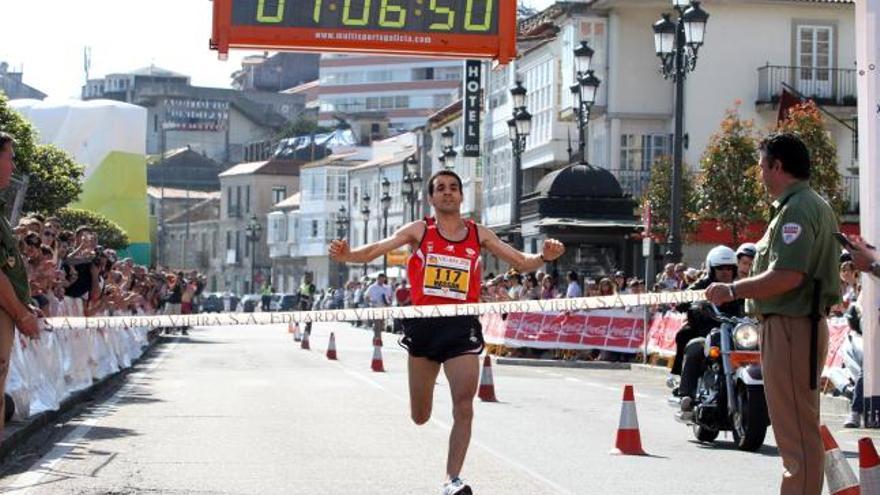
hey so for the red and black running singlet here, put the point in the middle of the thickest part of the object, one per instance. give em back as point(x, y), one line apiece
point(445, 272)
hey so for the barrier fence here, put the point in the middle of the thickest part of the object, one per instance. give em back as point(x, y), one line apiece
point(76, 351)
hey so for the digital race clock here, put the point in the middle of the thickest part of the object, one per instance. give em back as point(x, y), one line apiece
point(443, 28)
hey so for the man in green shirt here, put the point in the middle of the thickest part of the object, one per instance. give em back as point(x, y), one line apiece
point(794, 281)
point(15, 299)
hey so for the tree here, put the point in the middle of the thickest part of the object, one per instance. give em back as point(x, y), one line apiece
point(109, 234)
point(55, 179)
point(730, 189)
point(805, 120)
point(659, 195)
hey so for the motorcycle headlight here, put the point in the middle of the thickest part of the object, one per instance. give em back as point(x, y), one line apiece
point(745, 336)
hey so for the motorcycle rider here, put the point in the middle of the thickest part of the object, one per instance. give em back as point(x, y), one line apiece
point(721, 263)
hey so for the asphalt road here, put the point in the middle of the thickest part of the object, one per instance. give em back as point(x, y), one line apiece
point(246, 411)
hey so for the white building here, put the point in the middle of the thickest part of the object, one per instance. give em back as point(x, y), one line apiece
point(404, 90)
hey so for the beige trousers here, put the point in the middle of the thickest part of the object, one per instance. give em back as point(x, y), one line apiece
point(794, 408)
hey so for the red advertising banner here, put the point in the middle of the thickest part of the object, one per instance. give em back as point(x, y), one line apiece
point(613, 330)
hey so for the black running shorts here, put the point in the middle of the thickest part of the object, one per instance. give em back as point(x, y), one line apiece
point(441, 339)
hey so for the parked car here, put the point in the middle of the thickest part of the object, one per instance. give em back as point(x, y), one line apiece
point(275, 302)
point(250, 302)
point(212, 303)
point(288, 302)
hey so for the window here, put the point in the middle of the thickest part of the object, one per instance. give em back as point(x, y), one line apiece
point(314, 229)
point(228, 240)
point(247, 199)
point(814, 49)
point(639, 152)
point(238, 246)
point(278, 194)
point(214, 244)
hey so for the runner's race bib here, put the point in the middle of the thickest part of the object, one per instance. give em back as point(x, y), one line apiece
point(447, 276)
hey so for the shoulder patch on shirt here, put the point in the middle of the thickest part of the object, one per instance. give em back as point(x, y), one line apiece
point(790, 232)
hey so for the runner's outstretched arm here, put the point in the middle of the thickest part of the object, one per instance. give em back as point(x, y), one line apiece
point(340, 251)
point(523, 262)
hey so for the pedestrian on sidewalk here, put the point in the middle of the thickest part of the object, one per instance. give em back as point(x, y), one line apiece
point(793, 285)
point(445, 269)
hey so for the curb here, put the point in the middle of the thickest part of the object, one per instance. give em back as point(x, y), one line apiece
point(18, 433)
point(555, 363)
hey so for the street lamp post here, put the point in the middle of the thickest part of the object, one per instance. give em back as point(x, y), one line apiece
point(342, 223)
point(253, 229)
point(584, 93)
point(365, 212)
point(414, 181)
point(519, 127)
point(386, 205)
point(447, 141)
point(677, 44)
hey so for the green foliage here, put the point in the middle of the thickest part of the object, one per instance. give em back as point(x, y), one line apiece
point(11, 122)
point(806, 121)
point(110, 235)
point(730, 189)
point(659, 195)
point(55, 180)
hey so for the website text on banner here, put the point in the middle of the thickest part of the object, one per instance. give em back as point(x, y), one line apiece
point(392, 312)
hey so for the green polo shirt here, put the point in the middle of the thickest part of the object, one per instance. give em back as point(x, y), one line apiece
point(799, 238)
point(10, 259)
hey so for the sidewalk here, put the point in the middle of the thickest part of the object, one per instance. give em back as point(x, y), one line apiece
point(17, 433)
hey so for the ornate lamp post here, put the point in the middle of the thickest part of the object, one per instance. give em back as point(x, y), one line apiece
point(342, 223)
point(584, 93)
point(365, 212)
point(414, 181)
point(677, 44)
point(254, 230)
point(386, 205)
point(519, 127)
point(447, 141)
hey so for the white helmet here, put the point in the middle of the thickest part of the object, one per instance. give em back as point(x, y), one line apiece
point(720, 256)
point(747, 249)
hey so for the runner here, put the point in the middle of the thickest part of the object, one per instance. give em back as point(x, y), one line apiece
point(445, 269)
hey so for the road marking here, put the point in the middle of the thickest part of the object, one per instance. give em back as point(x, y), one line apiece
point(44, 466)
point(570, 379)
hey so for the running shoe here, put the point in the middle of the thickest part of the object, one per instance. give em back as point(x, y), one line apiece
point(456, 486)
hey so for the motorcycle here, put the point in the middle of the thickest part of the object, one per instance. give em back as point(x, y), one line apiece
point(730, 391)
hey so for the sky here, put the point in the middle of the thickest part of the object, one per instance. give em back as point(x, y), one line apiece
point(46, 39)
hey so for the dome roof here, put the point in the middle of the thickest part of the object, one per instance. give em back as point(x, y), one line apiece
point(578, 181)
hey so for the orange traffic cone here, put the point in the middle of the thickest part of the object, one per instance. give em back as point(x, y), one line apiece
point(869, 467)
point(377, 341)
point(305, 342)
point(629, 440)
point(838, 475)
point(331, 348)
point(377, 364)
point(487, 385)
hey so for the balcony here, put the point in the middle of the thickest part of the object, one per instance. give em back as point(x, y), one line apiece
point(851, 194)
point(829, 87)
point(633, 182)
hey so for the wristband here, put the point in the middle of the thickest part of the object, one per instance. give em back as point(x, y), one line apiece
point(732, 288)
point(542, 258)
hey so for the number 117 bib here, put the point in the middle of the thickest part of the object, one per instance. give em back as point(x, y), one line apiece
point(447, 276)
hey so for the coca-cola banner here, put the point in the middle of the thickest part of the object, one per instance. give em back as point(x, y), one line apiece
point(613, 330)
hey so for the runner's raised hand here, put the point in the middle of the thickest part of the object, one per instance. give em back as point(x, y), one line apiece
point(339, 250)
point(552, 250)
